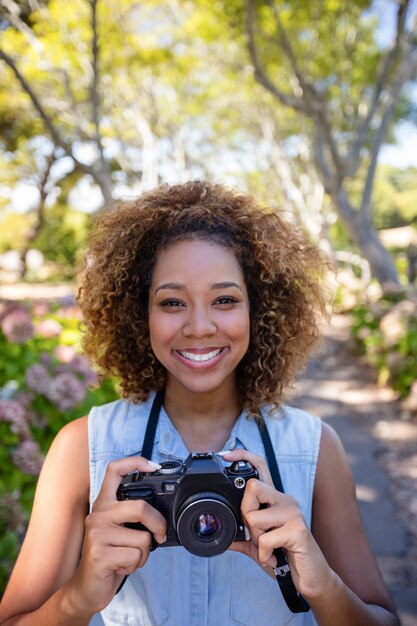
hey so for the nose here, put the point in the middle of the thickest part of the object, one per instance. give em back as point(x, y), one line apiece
point(199, 323)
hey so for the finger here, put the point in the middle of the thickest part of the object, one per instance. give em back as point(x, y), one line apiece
point(278, 513)
point(136, 539)
point(257, 493)
point(118, 537)
point(294, 537)
point(116, 470)
point(124, 560)
point(131, 511)
point(258, 462)
point(268, 542)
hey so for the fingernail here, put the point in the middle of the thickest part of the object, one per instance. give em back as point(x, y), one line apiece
point(155, 465)
point(247, 533)
point(223, 452)
point(164, 538)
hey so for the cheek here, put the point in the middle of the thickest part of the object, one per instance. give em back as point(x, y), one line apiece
point(161, 328)
point(239, 328)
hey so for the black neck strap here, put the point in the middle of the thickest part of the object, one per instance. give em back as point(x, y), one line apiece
point(151, 426)
point(293, 599)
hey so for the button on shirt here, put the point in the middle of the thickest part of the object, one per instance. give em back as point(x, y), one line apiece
point(175, 587)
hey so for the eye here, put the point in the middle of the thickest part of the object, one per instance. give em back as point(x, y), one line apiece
point(226, 300)
point(171, 303)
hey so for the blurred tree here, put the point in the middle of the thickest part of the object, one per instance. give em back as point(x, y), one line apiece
point(101, 77)
point(130, 94)
point(90, 93)
point(322, 61)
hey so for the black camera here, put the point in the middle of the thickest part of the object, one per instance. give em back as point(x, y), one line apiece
point(199, 498)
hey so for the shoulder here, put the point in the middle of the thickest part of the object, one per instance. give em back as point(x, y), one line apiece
point(69, 456)
point(333, 469)
point(71, 438)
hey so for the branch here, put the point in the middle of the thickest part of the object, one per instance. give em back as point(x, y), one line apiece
point(13, 16)
point(39, 209)
point(315, 105)
point(259, 72)
point(311, 103)
point(98, 175)
point(95, 100)
point(383, 74)
point(407, 68)
point(36, 103)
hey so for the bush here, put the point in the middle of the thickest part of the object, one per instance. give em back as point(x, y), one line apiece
point(386, 331)
point(45, 382)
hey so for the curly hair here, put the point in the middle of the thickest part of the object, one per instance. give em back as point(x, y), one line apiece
point(284, 275)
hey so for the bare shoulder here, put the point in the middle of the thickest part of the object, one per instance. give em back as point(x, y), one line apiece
point(53, 541)
point(333, 467)
point(337, 524)
point(69, 456)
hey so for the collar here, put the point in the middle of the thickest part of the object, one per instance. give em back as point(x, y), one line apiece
point(244, 434)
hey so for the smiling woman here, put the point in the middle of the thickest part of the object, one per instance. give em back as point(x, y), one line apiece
point(205, 306)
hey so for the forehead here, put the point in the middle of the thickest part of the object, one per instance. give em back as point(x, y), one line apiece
point(197, 258)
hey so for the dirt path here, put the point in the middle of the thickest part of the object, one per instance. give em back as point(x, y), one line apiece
point(382, 450)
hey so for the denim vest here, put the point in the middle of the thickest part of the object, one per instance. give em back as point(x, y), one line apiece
point(176, 588)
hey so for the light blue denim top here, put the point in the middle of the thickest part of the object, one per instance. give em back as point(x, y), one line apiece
point(176, 588)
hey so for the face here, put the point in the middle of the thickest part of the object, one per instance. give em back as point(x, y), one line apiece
point(199, 316)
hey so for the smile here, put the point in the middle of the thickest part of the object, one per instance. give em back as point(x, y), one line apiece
point(199, 358)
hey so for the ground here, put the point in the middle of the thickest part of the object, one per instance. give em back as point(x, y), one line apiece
point(382, 449)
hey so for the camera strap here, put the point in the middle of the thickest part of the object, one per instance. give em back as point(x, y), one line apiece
point(151, 426)
point(294, 600)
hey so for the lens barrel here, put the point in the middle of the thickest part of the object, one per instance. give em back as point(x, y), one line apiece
point(206, 524)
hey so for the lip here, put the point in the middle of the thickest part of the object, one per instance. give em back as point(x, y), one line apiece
point(200, 352)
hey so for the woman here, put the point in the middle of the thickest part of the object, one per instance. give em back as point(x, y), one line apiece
point(196, 291)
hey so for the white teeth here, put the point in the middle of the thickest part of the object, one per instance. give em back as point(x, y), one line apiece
point(199, 357)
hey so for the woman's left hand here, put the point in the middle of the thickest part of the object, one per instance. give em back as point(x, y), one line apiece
point(280, 525)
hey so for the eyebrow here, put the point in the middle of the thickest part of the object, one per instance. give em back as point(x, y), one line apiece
point(179, 287)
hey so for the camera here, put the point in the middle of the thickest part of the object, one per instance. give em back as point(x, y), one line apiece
point(199, 498)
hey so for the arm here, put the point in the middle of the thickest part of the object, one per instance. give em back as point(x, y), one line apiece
point(359, 593)
point(71, 563)
point(52, 545)
point(333, 566)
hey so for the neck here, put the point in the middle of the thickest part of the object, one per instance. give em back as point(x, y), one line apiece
point(204, 421)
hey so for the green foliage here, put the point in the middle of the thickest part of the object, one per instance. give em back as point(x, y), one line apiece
point(44, 383)
point(386, 332)
point(63, 239)
point(395, 197)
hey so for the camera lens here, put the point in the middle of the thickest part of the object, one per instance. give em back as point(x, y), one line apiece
point(206, 524)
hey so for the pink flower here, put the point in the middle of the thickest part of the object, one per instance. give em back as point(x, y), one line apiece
point(65, 354)
point(28, 457)
point(17, 326)
point(40, 308)
point(82, 366)
point(66, 391)
point(14, 413)
point(48, 328)
point(38, 379)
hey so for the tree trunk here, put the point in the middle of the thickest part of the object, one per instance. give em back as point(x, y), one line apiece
point(362, 232)
point(380, 261)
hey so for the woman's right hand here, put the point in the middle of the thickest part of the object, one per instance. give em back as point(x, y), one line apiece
point(110, 550)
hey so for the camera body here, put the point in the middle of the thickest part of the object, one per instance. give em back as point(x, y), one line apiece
point(199, 498)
